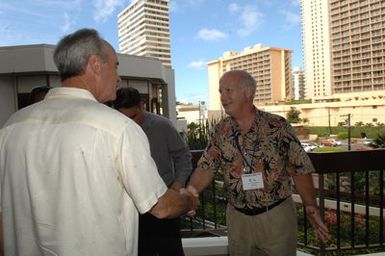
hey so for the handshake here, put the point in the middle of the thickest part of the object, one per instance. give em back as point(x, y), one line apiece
point(191, 196)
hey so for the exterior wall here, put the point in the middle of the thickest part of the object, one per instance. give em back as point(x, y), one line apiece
point(25, 67)
point(214, 73)
point(316, 49)
point(270, 67)
point(363, 107)
point(192, 113)
point(144, 30)
point(8, 105)
point(298, 84)
point(357, 33)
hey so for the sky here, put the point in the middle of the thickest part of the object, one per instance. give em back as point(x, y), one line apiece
point(200, 30)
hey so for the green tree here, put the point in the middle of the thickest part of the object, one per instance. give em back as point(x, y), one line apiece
point(198, 134)
point(293, 116)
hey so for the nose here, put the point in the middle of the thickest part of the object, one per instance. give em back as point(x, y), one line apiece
point(222, 96)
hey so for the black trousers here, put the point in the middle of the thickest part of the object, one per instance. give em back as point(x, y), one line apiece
point(159, 237)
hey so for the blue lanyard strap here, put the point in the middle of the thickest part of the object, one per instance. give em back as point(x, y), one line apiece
point(235, 136)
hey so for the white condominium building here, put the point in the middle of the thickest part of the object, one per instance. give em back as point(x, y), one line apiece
point(316, 48)
point(144, 30)
point(298, 84)
point(357, 45)
point(344, 50)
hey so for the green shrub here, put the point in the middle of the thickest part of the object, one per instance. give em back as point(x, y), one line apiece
point(342, 135)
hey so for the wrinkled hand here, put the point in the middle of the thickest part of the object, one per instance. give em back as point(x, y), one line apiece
point(320, 229)
point(194, 201)
point(191, 189)
point(176, 185)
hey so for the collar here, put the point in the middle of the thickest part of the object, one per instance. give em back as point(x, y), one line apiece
point(235, 125)
point(70, 92)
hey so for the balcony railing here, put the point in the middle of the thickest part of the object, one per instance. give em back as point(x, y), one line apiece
point(350, 192)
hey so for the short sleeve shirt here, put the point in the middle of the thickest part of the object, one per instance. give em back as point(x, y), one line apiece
point(73, 175)
point(269, 147)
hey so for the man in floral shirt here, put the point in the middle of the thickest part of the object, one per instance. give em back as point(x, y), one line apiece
point(259, 156)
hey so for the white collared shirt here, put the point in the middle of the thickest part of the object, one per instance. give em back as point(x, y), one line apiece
point(74, 173)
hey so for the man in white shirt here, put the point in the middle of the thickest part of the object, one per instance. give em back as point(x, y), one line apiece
point(73, 172)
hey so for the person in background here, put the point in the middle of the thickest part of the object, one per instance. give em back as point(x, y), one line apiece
point(73, 172)
point(173, 158)
point(38, 93)
point(259, 155)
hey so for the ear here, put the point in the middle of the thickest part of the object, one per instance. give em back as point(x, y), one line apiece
point(249, 92)
point(94, 64)
point(141, 105)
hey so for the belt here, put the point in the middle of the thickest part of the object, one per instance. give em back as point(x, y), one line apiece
point(256, 211)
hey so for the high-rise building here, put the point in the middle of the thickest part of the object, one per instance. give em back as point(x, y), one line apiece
point(144, 30)
point(357, 45)
point(270, 67)
point(316, 48)
point(344, 49)
point(298, 84)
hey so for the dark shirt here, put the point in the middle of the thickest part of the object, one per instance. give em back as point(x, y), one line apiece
point(168, 149)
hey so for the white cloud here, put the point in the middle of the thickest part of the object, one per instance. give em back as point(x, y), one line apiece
point(211, 34)
point(198, 64)
point(105, 8)
point(291, 19)
point(296, 2)
point(250, 19)
point(67, 23)
point(173, 5)
point(233, 7)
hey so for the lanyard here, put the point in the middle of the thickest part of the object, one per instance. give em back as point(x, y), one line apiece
point(245, 162)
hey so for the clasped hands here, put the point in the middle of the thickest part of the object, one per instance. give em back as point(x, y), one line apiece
point(194, 195)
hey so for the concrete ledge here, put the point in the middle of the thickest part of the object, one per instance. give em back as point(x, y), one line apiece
point(212, 246)
point(205, 246)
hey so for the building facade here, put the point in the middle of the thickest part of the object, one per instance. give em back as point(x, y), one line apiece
point(367, 108)
point(357, 45)
point(316, 48)
point(298, 84)
point(344, 49)
point(25, 67)
point(270, 67)
point(144, 30)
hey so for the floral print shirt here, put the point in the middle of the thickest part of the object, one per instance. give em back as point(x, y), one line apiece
point(270, 147)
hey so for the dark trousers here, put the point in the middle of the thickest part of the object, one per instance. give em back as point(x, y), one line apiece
point(159, 237)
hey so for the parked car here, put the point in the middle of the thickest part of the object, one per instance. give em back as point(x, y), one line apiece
point(331, 143)
point(309, 146)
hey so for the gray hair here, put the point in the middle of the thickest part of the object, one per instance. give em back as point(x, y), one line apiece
point(245, 79)
point(73, 50)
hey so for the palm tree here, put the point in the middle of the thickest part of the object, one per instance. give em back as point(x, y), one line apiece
point(379, 141)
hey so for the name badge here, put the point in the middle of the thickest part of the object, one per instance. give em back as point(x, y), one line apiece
point(252, 181)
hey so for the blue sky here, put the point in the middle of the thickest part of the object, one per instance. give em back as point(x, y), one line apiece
point(201, 30)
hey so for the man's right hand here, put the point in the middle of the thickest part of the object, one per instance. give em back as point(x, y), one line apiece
point(194, 201)
point(192, 190)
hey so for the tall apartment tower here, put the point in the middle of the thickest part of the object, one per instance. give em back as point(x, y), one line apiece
point(298, 84)
point(316, 48)
point(344, 49)
point(144, 30)
point(357, 45)
point(270, 66)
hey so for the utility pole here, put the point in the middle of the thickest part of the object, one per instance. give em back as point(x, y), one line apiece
point(330, 129)
point(349, 131)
